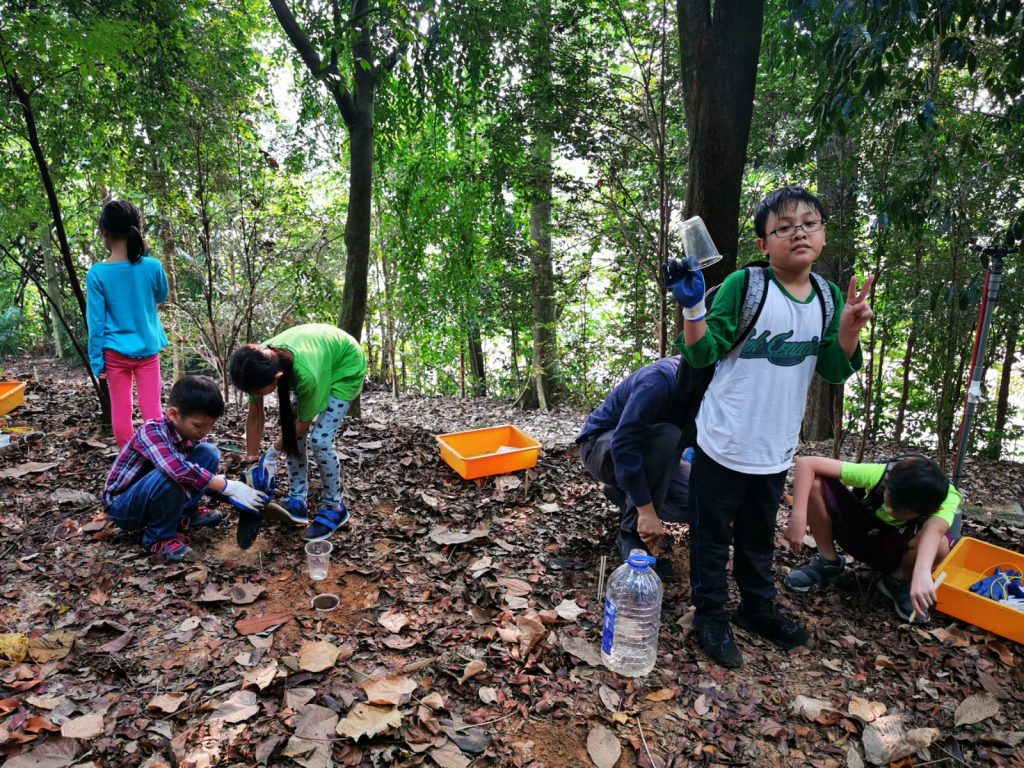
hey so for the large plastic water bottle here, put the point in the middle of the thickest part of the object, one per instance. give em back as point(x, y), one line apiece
point(632, 617)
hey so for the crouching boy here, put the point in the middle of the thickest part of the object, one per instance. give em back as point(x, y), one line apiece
point(161, 474)
point(903, 526)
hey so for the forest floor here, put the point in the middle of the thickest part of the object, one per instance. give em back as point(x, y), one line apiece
point(468, 627)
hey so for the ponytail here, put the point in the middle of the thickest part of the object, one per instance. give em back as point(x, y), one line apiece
point(137, 247)
point(123, 221)
point(286, 361)
point(254, 367)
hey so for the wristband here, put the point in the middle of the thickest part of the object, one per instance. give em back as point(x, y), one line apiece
point(695, 313)
point(250, 457)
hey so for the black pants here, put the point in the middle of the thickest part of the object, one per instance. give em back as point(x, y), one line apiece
point(667, 477)
point(730, 507)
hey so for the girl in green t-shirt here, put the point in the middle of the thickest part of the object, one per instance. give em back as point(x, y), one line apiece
point(316, 370)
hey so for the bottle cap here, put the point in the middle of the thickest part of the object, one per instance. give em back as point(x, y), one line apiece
point(640, 559)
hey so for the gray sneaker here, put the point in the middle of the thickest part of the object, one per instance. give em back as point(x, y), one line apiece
point(813, 575)
point(899, 592)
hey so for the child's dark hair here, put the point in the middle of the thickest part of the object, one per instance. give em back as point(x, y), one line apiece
point(916, 484)
point(780, 201)
point(123, 221)
point(197, 394)
point(255, 366)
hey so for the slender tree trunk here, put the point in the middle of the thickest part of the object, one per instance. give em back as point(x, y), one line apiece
point(878, 398)
point(995, 450)
point(908, 361)
point(477, 369)
point(53, 287)
point(720, 43)
point(542, 389)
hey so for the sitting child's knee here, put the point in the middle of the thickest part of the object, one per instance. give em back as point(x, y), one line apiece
point(205, 455)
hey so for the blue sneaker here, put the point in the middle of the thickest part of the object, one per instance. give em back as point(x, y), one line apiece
point(293, 511)
point(326, 522)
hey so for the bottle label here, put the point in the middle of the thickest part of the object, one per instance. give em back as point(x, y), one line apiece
point(608, 632)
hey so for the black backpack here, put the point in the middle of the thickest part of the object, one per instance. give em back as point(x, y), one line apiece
point(692, 383)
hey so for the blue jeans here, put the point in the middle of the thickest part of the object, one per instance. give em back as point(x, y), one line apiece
point(156, 503)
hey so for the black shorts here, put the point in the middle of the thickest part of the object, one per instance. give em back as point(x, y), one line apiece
point(862, 535)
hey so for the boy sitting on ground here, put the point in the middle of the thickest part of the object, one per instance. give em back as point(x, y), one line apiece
point(903, 527)
point(161, 474)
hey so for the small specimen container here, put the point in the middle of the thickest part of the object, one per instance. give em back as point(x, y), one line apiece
point(489, 451)
point(12, 394)
point(969, 561)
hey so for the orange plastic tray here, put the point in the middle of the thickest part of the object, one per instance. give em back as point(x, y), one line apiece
point(489, 451)
point(969, 561)
point(12, 394)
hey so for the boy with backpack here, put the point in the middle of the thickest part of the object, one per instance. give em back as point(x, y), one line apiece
point(903, 524)
point(748, 425)
point(161, 474)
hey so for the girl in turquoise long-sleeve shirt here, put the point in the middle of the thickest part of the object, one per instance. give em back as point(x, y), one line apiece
point(125, 333)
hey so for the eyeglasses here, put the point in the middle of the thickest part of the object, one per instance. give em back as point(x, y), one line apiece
point(808, 228)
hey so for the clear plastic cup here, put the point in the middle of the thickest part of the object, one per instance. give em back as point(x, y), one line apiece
point(697, 242)
point(318, 559)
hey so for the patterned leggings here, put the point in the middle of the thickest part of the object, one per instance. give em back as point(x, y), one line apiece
point(321, 438)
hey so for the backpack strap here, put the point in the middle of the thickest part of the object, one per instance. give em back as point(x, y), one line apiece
point(826, 299)
point(755, 293)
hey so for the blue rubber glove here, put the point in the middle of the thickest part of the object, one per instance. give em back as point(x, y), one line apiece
point(263, 477)
point(686, 282)
point(245, 498)
point(999, 585)
point(688, 455)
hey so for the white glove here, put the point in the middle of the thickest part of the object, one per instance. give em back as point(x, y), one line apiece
point(268, 463)
point(244, 497)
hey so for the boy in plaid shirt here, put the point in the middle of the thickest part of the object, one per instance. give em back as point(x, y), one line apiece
point(161, 474)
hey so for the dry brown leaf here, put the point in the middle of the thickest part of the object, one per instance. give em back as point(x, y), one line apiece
point(389, 690)
point(368, 720)
point(568, 610)
point(239, 707)
point(85, 727)
point(603, 747)
point(661, 695)
point(261, 677)
point(449, 756)
point(531, 631)
point(581, 648)
point(317, 655)
point(472, 669)
point(976, 708)
point(393, 621)
point(866, 710)
point(51, 646)
point(167, 702)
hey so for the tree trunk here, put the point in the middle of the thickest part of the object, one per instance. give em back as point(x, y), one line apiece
point(719, 47)
point(995, 449)
point(53, 288)
point(477, 370)
point(542, 387)
point(824, 408)
point(908, 361)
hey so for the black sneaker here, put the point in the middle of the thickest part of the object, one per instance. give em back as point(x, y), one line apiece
point(815, 574)
point(767, 622)
point(899, 592)
point(715, 636)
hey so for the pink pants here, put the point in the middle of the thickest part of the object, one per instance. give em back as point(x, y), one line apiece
point(120, 370)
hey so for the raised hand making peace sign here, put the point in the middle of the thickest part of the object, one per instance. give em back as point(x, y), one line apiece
point(856, 314)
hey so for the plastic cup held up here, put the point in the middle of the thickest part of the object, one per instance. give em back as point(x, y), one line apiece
point(318, 559)
point(697, 242)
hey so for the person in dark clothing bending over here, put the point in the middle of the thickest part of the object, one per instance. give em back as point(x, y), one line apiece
point(631, 443)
